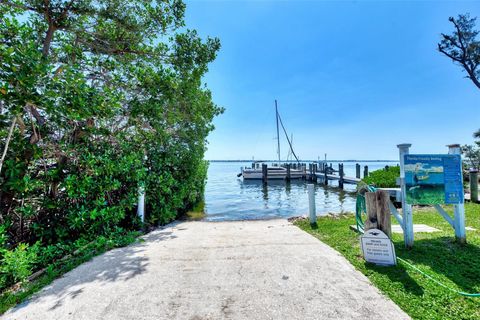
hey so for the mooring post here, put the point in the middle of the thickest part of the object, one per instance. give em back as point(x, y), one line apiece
point(264, 173)
point(474, 185)
point(403, 150)
point(141, 203)
point(325, 174)
point(315, 168)
point(340, 172)
point(357, 167)
point(311, 203)
point(459, 209)
point(365, 171)
point(288, 171)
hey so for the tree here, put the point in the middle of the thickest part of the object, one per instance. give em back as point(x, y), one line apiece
point(463, 47)
point(97, 97)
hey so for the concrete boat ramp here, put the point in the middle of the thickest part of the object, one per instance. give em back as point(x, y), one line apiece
point(214, 270)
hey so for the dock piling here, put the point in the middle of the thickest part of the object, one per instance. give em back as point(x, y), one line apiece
point(288, 171)
point(357, 167)
point(365, 171)
point(340, 172)
point(474, 185)
point(264, 173)
point(325, 174)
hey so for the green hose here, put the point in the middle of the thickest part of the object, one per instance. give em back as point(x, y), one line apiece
point(438, 282)
point(362, 210)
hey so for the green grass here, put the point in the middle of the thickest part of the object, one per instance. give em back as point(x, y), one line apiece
point(9, 299)
point(197, 212)
point(436, 254)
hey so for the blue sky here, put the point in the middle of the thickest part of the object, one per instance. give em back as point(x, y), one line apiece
point(352, 79)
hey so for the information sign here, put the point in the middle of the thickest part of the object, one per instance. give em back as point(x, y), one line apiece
point(378, 248)
point(433, 179)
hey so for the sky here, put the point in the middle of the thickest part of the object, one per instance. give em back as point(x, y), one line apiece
point(352, 78)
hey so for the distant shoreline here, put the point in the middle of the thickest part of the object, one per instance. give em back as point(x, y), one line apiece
point(303, 161)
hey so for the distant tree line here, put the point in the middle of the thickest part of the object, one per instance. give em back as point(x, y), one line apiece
point(97, 98)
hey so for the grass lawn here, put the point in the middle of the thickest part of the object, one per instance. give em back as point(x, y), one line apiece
point(437, 254)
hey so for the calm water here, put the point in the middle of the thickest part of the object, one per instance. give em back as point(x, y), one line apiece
point(230, 198)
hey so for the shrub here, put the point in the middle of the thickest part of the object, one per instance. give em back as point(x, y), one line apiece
point(95, 110)
point(17, 264)
point(383, 178)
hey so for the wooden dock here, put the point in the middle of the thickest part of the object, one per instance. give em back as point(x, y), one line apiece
point(322, 172)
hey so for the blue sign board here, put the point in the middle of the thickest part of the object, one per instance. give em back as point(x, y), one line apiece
point(433, 179)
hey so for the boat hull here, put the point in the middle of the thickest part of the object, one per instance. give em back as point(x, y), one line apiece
point(273, 174)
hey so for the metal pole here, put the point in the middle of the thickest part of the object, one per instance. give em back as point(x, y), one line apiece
point(278, 134)
point(406, 208)
point(459, 209)
point(311, 203)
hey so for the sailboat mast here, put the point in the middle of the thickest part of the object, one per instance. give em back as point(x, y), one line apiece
point(278, 135)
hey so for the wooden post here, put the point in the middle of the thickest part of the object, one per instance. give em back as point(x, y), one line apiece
point(357, 167)
point(383, 212)
point(365, 171)
point(371, 205)
point(458, 209)
point(253, 165)
point(141, 203)
point(311, 204)
point(288, 171)
point(264, 173)
point(315, 168)
point(474, 185)
point(340, 172)
point(378, 211)
point(403, 150)
point(325, 174)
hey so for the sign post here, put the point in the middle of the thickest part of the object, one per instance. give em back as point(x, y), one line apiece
point(406, 208)
point(432, 179)
point(459, 208)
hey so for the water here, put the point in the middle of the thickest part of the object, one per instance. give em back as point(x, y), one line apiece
point(228, 197)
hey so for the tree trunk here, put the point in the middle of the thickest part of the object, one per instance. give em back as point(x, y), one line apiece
point(48, 39)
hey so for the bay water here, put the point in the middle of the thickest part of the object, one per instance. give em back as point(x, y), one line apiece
point(228, 197)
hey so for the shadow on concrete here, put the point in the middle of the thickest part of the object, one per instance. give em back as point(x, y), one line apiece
point(121, 264)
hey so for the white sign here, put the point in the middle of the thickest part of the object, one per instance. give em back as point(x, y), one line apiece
point(378, 248)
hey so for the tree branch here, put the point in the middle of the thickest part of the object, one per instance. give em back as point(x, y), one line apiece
point(9, 137)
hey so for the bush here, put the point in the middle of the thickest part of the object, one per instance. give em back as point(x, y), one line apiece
point(383, 178)
point(17, 264)
point(95, 111)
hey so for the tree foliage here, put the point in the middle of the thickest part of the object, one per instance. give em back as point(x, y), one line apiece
point(96, 98)
point(463, 47)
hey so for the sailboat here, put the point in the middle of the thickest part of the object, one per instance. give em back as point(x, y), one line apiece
point(275, 171)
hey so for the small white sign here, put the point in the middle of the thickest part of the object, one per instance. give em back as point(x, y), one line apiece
point(378, 248)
